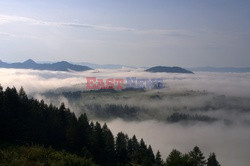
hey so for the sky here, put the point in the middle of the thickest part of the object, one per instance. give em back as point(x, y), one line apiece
point(188, 33)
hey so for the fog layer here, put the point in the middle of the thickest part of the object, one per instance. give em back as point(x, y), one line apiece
point(223, 96)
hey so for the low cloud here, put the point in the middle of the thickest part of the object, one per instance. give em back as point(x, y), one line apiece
point(233, 84)
point(231, 144)
point(224, 96)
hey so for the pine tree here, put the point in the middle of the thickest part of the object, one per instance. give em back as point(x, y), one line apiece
point(22, 94)
point(186, 160)
point(133, 150)
point(109, 147)
point(1, 101)
point(62, 126)
point(150, 155)
point(83, 131)
point(212, 161)
point(174, 158)
point(158, 160)
point(98, 144)
point(71, 134)
point(142, 151)
point(13, 130)
point(2, 113)
point(196, 157)
point(121, 148)
point(1, 93)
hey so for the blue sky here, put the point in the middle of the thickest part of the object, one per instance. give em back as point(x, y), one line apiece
point(132, 32)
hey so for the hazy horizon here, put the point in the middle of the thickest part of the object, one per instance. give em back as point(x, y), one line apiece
point(84, 63)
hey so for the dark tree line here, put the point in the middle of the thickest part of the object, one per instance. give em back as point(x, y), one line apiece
point(109, 111)
point(181, 117)
point(29, 121)
point(193, 158)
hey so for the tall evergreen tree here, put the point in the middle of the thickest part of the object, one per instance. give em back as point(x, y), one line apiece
point(22, 94)
point(150, 155)
point(158, 159)
point(84, 131)
point(71, 134)
point(133, 150)
point(121, 148)
point(212, 161)
point(98, 143)
point(196, 157)
point(174, 158)
point(2, 113)
point(109, 147)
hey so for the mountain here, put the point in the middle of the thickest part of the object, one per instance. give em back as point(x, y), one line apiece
point(29, 61)
point(167, 69)
point(221, 69)
point(2, 63)
point(58, 66)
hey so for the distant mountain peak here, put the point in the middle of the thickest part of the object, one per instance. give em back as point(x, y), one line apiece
point(2, 63)
point(63, 62)
point(29, 61)
point(168, 69)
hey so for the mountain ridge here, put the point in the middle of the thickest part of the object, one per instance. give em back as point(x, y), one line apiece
point(167, 69)
point(57, 66)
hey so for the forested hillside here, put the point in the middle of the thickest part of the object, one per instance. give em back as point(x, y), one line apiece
point(25, 121)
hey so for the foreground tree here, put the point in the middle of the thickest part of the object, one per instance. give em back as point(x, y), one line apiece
point(109, 146)
point(174, 158)
point(196, 157)
point(212, 161)
point(121, 148)
point(158, 160)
